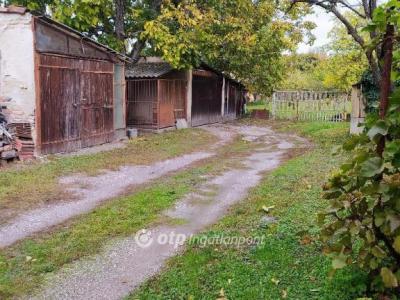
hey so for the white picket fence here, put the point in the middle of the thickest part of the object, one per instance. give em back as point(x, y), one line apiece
point(327, 106)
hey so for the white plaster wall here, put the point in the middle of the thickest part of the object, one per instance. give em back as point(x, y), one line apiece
point(17, 76)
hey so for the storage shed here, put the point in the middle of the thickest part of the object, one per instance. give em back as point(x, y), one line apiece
point(216, 97)
point(62, 91)
point(158, 95)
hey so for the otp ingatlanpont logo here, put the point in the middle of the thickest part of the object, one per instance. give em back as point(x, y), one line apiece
point(143, 238)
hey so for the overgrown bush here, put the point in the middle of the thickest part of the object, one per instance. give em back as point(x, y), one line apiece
point(362, 224)
point(370, 91)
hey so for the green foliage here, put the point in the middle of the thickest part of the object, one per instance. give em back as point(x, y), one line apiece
point(370, 91)
point(300, 72)
point(337, 66)
point(346, 61)
point(96, 18)
point(37, 5)
point(362, 224)
point(244, 38)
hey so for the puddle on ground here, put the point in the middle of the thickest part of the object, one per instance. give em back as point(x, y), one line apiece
point(124, 265)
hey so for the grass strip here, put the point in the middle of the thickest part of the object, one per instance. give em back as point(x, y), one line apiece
point(28, 186)
point(24, 266)
point(290, 263)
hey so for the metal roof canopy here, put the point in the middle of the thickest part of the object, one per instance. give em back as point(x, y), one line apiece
point(155, 67)
point(148, 70)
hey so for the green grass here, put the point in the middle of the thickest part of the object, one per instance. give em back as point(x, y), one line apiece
point(326, 134)
point(27, 186)
point(243, 273)
point(291, 254)
point(87, 234)
point(256, 105)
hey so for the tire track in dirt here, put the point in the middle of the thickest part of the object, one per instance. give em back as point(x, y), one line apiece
point(90, 192)
point(124, 264)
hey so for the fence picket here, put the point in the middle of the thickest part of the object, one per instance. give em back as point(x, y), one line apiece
point(326, 106)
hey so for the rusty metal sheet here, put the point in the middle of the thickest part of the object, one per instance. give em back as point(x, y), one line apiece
point(167, 118)
point(52, 39)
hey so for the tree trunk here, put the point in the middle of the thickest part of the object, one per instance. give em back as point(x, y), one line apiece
point(386, 83)
point(137, 49)
point(140, 44)
point(374, 65)
point(120, 19)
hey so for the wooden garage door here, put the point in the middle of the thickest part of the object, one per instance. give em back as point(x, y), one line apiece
point(76, 103)
point(206, 100)
point(172, 101)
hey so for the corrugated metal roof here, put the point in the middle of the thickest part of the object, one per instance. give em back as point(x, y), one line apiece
point(148, 70)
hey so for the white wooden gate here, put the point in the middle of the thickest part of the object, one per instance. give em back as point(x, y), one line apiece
point(325, 106)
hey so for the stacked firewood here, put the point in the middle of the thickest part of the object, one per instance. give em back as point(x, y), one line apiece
point(8, 149)
point(24, 141)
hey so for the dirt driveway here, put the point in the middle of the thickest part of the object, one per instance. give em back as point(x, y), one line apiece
point(126, 263)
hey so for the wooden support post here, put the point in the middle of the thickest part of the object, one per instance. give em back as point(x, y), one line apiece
point(227, 96)
point(189, 97)
point(223, 98)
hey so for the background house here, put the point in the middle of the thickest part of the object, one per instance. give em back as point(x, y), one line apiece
point(62, 91)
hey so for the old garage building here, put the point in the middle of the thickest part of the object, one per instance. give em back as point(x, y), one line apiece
point(158, 95)
point(61, 90)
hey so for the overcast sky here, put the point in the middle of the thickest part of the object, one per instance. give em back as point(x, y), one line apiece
point(324, 25)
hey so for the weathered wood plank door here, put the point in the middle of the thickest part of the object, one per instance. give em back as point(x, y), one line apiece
point(172, 101)
point(76, 103)
point(60, 112)
point(97, 125)
point(206, 99)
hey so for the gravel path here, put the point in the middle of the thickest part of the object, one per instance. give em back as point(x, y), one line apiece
point(126, 263)
point(92, 191)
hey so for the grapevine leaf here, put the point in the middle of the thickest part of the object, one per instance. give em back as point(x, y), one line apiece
point(371, 167)
point(379, 129)
point(389, 279)
point(396, 244)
